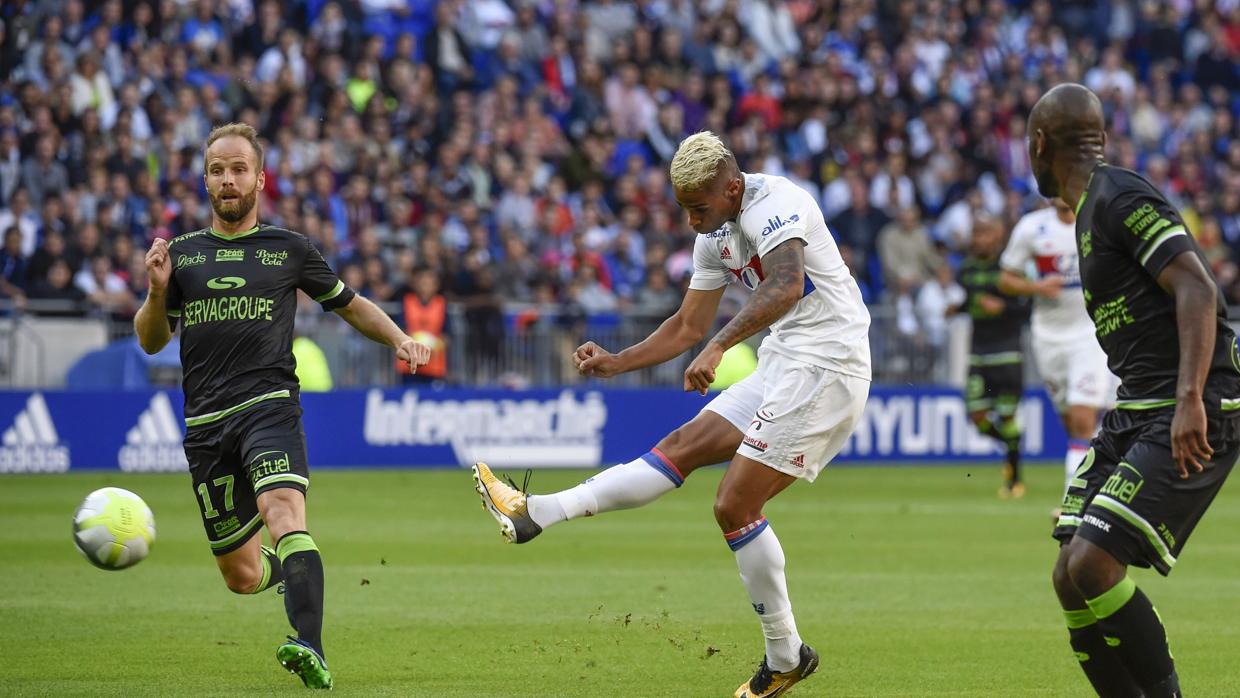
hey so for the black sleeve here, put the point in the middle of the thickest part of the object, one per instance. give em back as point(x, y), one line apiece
point(173, 302)
point(320, 282)
point(1147, 226)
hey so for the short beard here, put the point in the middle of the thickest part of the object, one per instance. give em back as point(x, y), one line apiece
point(244, 205)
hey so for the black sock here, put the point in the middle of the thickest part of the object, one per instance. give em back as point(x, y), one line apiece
point(273, 572)
point(1103, 668)
point(1013, 463)
point(303, 586)
point(1009, 433)
point(1133, 629)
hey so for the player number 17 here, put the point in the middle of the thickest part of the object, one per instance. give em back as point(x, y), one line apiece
point(204, 492)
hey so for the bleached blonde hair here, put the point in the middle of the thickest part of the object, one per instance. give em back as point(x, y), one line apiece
point(697, 161)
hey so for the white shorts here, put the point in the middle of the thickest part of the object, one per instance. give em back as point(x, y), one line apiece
point(795, 416)
point(1076, 373)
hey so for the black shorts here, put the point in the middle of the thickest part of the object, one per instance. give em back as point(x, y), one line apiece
point(996, 388)
point(235, 459)
point(1127, 496)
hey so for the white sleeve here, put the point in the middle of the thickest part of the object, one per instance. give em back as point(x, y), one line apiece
point(776, 219)
point(1016, 256)
point(709, 273)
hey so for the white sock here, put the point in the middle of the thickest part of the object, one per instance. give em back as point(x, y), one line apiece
point(760, 558)
point(623, 486)
point(1077, 448)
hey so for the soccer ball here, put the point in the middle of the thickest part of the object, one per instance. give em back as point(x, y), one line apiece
point(113, 528)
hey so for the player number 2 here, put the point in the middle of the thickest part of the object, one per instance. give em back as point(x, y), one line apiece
point(208, 510)
point(1078, 478)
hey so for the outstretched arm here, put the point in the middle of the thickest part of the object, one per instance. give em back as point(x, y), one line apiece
point(1196, 318)
point(676, 335)
point(370, 320)
point(782, 287)
point(1014, 284)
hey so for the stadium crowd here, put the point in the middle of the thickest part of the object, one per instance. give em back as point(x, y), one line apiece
point(518, 148)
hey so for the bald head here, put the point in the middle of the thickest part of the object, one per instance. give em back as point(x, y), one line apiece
point(1066, 128)
point(1068, 110)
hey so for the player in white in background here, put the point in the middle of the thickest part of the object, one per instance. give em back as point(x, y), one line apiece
point(1041, 261)
point(784, 422)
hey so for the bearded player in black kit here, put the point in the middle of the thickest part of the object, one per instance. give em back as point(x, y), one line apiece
point(1163, 454)
point(233, 289)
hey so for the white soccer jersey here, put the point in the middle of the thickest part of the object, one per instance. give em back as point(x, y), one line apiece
point(1042, 245)
point(829, 326)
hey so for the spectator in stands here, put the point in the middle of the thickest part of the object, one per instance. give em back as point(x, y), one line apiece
point(424, 316)
point(20, 215)
point(856, 228)
point(13, 267)
point(104, 288)
point(66, 299)
point(908, 256)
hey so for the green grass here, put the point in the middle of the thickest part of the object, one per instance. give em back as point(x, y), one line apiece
point(909, 581)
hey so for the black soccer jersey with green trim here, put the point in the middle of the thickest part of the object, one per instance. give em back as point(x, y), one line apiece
point(236, 298)
point(1126, 233)
point(995, 336)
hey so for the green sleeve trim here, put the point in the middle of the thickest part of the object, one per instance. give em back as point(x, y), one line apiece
point(1112, 599)
point(244, 532)
point(220, 414)
point(1128, 515)
point(294, 543)
point(1151, 404)
point(1079, 618)
point(174, 313)
point(1153, 245)
point(1229, 404)
point(336, 291)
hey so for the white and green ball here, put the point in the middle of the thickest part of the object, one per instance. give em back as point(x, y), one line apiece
point(113, 528)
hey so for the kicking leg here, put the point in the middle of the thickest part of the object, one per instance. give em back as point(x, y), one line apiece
point(708, 438)
point(743, 492)
point(250, 569)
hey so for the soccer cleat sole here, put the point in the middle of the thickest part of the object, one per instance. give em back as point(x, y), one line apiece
point(300, 662)
point(507, 529)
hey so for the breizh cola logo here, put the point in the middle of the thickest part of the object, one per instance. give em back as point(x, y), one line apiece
point(563, 431)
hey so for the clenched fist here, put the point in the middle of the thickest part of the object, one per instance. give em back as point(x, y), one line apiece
point(414, 353)
point(158, 265)
point(593, 360)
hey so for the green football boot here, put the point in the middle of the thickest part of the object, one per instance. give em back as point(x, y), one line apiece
point(302, 659)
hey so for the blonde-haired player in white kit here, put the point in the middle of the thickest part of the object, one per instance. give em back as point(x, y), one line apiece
point(1041, 260)
point(783, 423)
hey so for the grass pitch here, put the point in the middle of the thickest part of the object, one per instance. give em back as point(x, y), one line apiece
point(909, 581)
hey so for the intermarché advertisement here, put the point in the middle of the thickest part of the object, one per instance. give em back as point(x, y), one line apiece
point(141, 431)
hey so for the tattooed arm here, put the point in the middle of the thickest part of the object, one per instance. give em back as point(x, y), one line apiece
point(782, 287)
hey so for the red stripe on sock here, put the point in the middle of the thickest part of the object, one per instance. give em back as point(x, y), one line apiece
point(668, 462)
point(733, 535)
